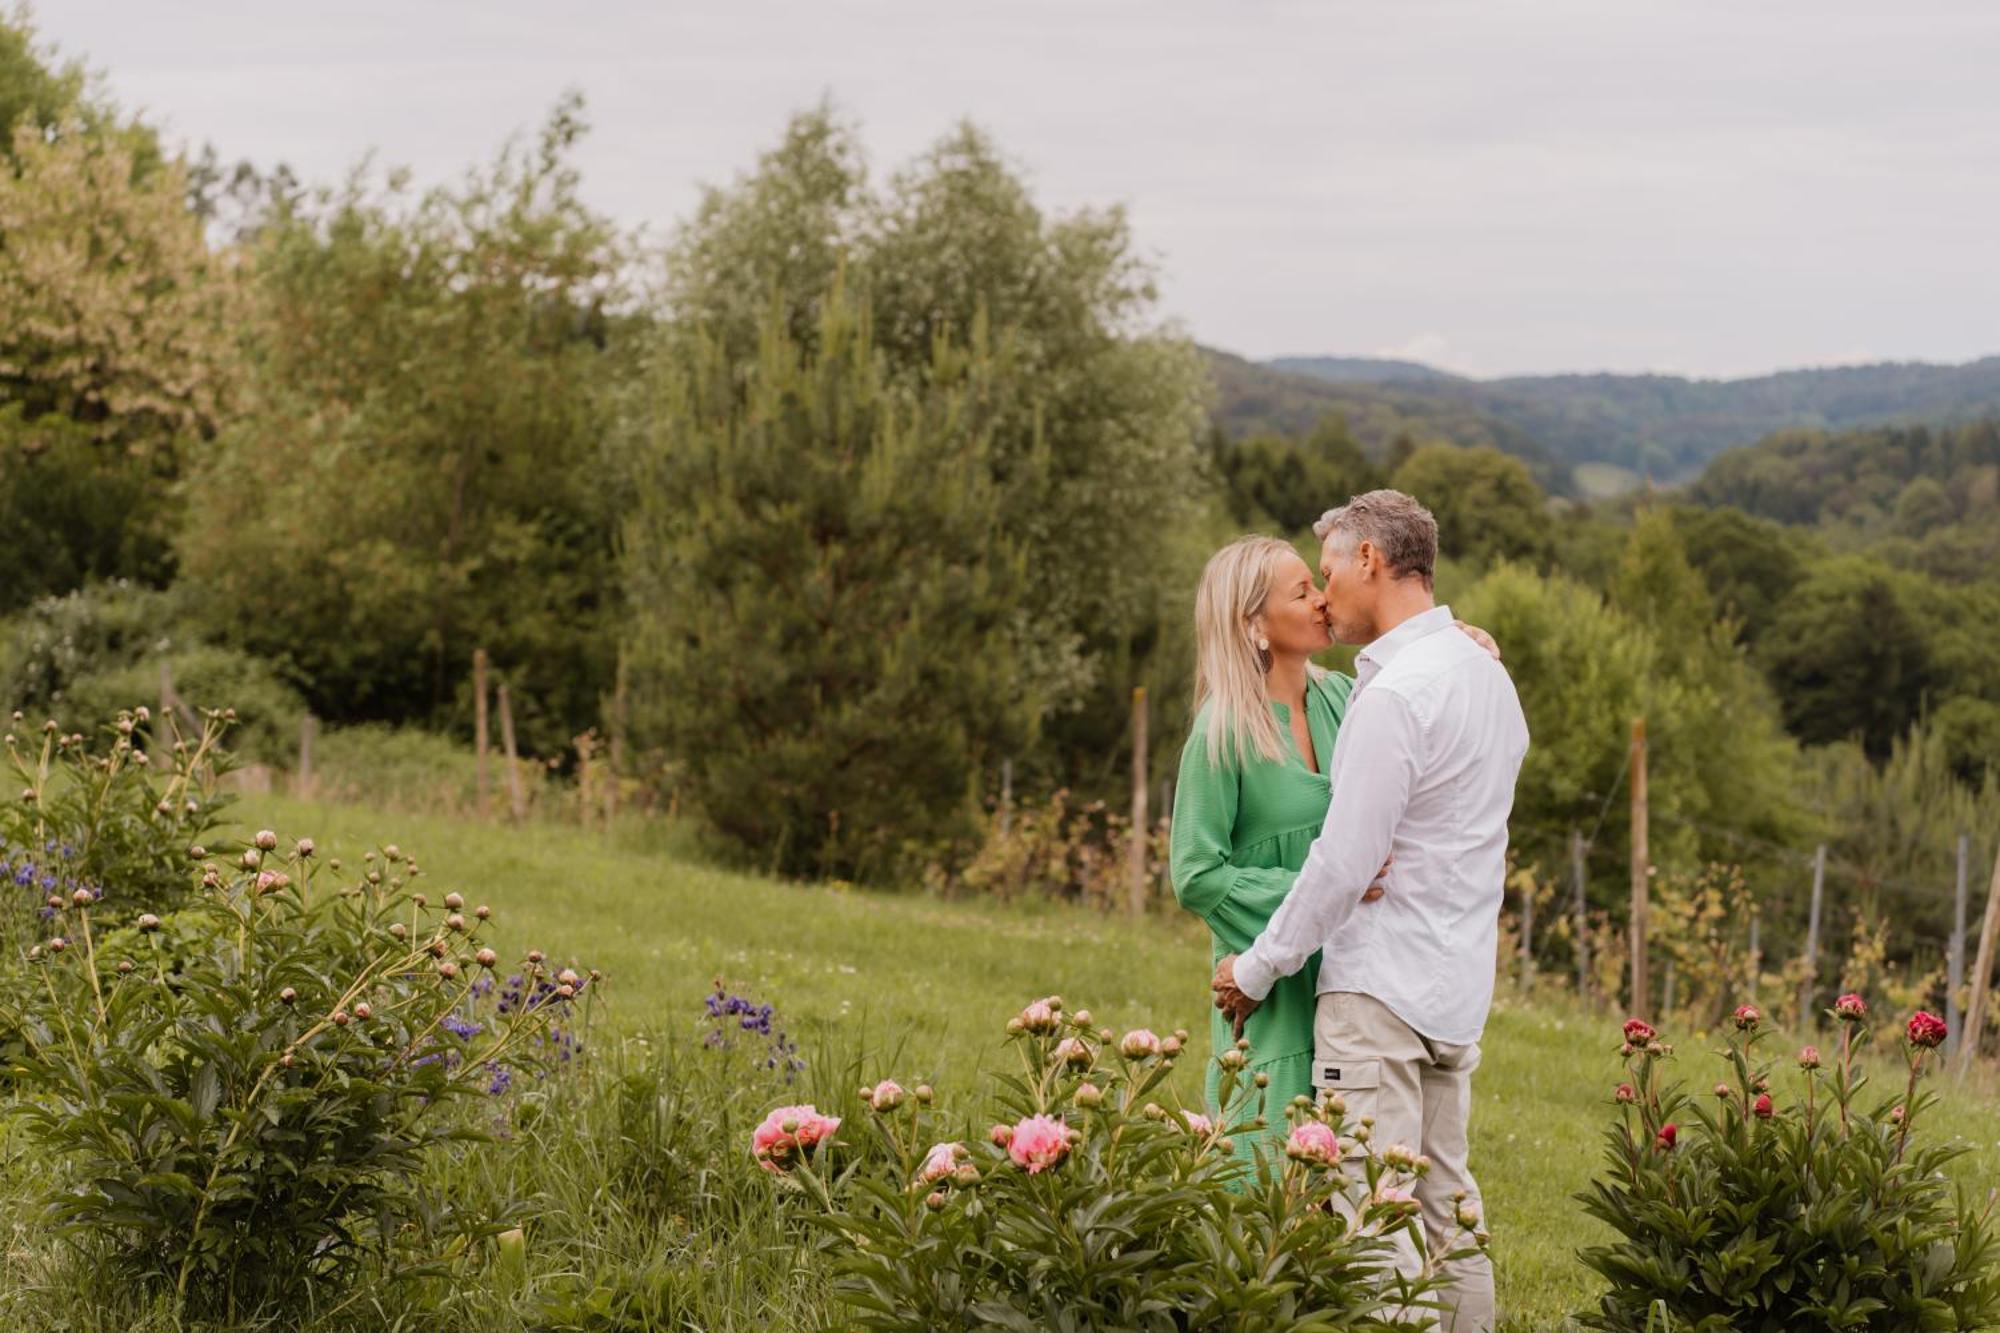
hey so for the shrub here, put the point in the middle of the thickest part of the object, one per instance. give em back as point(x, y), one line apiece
point(1768, 1207)
point(119, 815)
point(233, 1135)
point(1055, 850)
point(1090, 1205)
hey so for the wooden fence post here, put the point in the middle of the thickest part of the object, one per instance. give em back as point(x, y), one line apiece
point(1135, 867)
point(1756, 960)
point(517, 797)
point(1982, 976)
point(302, 782)
point(1527, 930)
point(615, 762)
point(1954, 1013)
point(1642, 866)
point(479, 728)
point(1581, 910)
point(1808, 1021)
point(1006, 798)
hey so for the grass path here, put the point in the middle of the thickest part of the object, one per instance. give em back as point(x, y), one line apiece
point(943, 977)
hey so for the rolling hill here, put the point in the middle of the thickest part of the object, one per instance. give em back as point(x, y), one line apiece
point(1662, 427)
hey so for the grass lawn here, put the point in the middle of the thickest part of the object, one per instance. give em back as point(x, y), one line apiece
point(941, 978)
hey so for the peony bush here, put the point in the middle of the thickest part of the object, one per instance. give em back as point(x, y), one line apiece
point(229, 1127)
point(1785, 1200)
point(1083, 1196)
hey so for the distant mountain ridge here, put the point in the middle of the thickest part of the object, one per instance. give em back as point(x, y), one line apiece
point(1665, 427)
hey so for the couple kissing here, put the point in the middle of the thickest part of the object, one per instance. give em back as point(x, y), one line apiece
point(1345, 839)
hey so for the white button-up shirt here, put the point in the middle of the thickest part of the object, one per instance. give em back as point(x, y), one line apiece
point(1424, 767)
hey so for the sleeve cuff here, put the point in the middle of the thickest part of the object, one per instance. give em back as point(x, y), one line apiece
point(1254, 977)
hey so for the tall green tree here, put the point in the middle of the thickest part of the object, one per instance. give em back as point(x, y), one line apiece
point(417, 468)
point(830, 624)
point(1097, 445)
point(1289, 483)
point(1487, 503)
point(1850, 657)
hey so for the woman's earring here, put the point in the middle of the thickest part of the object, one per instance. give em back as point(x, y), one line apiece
point(1263, 644)
point(1263, 654)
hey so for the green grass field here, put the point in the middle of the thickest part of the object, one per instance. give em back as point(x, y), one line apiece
point(941, 978)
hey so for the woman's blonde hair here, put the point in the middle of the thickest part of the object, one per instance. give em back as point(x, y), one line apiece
point(1229, 668)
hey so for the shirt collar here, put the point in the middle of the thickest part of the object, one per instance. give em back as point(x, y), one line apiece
point(1384, 650)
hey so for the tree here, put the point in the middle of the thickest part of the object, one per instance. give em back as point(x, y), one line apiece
point(1096, 448)
point(1290, 483)
point(831, 621)
point(1750, 565)
point(1487, 504)
point(417, 470)
point(116, 354)
point(1848, 657)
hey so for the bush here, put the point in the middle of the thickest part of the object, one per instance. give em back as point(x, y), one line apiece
point(1800, 1207)
point(233, 1135)
point(119, 817)
point(1090, 1205)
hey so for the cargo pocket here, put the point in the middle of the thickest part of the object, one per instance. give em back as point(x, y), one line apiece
point(1359, 1083)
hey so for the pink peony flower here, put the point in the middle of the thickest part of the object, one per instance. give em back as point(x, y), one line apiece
point(1761, 1108)
point(1038, 1143)
point(1926, 1029)
point(1038, 1017)
point(1625, 1094)
point(1668, 1134)
point(1197, 1123)
point(789, 1131)
point(1747, 1017)
point(1072, 1051)
point(886, 1095)
point(1809, 1057)
point(1314, 1143)
point(1638, 1031)
point(941, 1162)
point(1002, 1135)
point(1850, 1008)
point(1139, 1044)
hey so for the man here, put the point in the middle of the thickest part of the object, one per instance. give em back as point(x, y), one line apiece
point(1423, 771)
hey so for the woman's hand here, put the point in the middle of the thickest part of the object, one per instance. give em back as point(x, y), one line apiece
point(1375, 890)
point(1480, 637)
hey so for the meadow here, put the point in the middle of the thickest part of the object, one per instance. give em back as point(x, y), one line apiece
point(918, 988)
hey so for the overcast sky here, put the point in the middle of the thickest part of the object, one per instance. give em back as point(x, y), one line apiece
point(1710, 187)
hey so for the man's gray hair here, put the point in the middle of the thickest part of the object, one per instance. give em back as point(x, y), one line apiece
point(1401, 529)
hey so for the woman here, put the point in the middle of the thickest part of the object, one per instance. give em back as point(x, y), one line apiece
point(1252, 791)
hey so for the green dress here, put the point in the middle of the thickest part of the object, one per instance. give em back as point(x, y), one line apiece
point(1240, 834)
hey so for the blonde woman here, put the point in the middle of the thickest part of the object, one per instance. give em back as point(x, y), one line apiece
point(1252, 792)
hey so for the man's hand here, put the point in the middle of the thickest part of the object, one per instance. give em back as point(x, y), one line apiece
point(1228, 998)
point(1480, 637)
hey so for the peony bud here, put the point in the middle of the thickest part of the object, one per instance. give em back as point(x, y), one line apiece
point(363, 1011)
point(1896, 1116)
point(934, 1200)
point(884, 1096)
point(1625, 1094)
point(1089, 1096)
point(1747, 1017)
point(340, 1018)
point(1002, 1135)
point(568, 977)
point(454, 922)
point(1722, 1090)
point(1926, 1030)
point(399, 930)
point(1638, 1031)
point(453, 901)
point(535, 957)
point(482, 911)
point(1139, 1044)
point(267, 841)
point(448, 969)
point(1809, 1057)
point(566, 991)
point(486, 958)
point(922, 1093)
point(124, 966)
point(250, 858)
point(287, 995)
point(148, 922)
point(1668, 1134)
point(1761, 1108)
point(82, 897)
point(1850, 1008)
point(305, 848)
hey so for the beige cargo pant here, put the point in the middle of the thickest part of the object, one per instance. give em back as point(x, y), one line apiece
point(1420, 1093)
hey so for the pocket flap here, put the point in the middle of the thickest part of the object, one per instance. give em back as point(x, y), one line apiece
point(1346, 1075)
